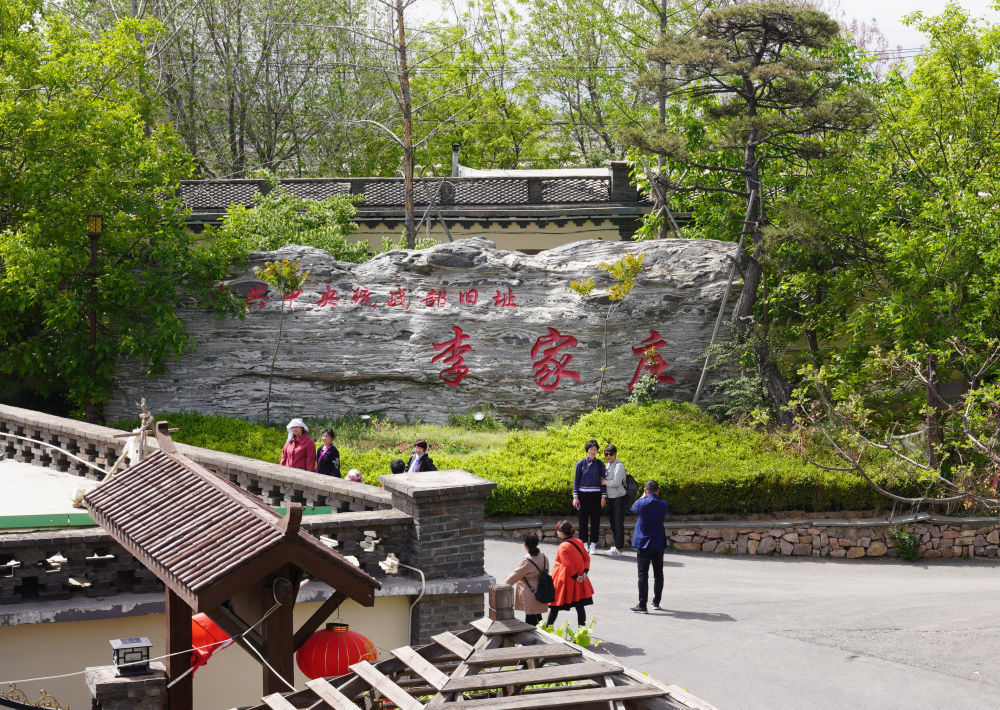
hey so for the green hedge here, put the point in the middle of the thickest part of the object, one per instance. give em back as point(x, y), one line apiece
point(702, 466)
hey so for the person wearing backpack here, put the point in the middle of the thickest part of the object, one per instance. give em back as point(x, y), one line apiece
point(614, 481)
point(571, 576)
point(527, 580)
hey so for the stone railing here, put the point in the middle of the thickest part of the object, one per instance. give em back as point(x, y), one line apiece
point(60, 564)
point(937, 537)
point(277, 485)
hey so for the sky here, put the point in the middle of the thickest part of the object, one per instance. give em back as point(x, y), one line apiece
point(887, 14)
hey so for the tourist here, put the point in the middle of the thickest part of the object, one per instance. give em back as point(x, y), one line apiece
point(614, 482)
point(299, 450)
point(355, 476)
point(420, 461)
point(327, 456)
point(589, 494)
point(649, 540)
point(570, 575)
point(525, 577)
point(397, 466)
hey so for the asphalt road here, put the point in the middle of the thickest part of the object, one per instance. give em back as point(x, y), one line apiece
point(803, 633)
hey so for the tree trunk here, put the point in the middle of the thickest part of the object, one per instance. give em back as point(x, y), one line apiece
point(274, 358)
point(91, 413)
point(404, 96)
point(932, 423)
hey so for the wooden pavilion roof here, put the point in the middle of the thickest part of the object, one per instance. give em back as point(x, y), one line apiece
point(206, 538)
point(494, 665)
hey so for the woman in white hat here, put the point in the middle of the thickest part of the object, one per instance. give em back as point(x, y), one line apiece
point(299, 451)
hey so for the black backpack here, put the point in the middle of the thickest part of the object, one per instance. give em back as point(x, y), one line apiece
point(546, 590)
point(631, 487)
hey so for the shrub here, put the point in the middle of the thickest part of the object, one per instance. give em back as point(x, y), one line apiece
point(702, 466)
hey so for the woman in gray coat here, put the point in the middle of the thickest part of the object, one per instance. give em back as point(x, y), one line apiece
point(526, 579)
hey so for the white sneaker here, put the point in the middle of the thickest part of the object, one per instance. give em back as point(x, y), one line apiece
point(593, 548)
point(613, 551)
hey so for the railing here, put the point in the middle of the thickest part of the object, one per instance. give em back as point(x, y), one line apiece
point(218, 195)
point(50, 565)
point(277, 485)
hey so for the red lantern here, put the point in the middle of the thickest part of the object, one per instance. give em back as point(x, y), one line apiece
point(206, 634)
point(330, 652)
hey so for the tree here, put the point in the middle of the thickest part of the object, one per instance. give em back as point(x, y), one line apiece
point(623, 274)
point(287, 279)
point(74, 112)
point(762, 89)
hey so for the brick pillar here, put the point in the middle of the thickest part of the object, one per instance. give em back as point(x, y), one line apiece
point(141, 692)
point(446, 543)
point(622, 189)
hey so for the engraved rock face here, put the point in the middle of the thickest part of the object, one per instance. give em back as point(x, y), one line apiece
point(451, 329)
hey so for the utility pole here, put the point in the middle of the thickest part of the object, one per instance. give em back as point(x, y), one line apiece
point(404, 95)
point(662, 103)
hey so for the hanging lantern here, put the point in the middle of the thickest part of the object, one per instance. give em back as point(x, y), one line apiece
point(330, 652)
point(206, 634)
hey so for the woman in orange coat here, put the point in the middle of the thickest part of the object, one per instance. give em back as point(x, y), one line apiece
point(571, 576)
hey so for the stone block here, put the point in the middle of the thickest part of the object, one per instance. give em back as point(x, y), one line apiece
point(838, 553)
point(876, 549)
point(855, 552)
point(993, 537)
point(688, 547)
point(790, 537)
point(786, 547)
point(709, 545)
point(802, 549)
point(752, 546)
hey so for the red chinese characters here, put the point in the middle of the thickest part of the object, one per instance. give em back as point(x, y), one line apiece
point(328, 298)
point(397, 299)
point(452, 353)
point(505, 300)
point(291, 296)
point(653, 363)
point(548, 365)
point(257, 295)
point(468, 298)
point(436, 298)
point(363, 297)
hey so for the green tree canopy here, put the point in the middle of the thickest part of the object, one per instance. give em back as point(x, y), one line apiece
point(76, 138)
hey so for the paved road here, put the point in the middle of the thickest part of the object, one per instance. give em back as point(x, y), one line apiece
point(804, 634)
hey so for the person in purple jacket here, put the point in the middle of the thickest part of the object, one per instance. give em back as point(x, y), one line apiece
point(589, 494)
point(649, 540)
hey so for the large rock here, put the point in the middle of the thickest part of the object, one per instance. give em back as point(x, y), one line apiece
point(373, 337)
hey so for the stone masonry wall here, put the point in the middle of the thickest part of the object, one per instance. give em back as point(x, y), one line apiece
point(451, 329)
point(938, 538)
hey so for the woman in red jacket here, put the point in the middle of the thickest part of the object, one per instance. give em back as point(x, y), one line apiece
point(570, 575)
point(299, 451)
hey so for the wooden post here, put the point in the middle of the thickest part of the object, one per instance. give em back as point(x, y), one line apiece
point(277, 631)
point(181, 695)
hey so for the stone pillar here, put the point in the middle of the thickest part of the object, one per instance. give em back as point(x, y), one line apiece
point(447, 511)
point(139, 692)
point(446, 543)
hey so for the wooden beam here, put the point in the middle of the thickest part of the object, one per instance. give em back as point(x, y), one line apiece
point(276, 632)
point(276, 702)
point(421, 666)
point(233, 625)
point(453, 643)
point(330, 695)
point(519, 654)
point(500, 627)
point(556, 699)
point(546, 674)
point(317, 619)
point(384, 685)
point(181, 695)
point(609, 682)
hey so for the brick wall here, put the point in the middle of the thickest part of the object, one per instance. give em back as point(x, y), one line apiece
point(437, 613)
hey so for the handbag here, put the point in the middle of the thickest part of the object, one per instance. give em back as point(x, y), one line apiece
point(545, 591)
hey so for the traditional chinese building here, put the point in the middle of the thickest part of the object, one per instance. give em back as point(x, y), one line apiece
point(68, 587)
point(520, 210)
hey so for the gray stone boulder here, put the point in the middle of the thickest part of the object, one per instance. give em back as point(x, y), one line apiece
point(451, 329)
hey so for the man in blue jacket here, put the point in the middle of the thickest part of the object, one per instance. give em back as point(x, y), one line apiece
point(649, 540)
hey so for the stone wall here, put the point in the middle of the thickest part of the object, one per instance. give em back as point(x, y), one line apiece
point(938, 537)
point(454, 328)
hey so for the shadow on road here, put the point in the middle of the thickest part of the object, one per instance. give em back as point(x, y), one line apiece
point(699, 615)
point(618, 650)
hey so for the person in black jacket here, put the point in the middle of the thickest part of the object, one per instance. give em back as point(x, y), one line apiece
point(589, 494)
point(420, 461)
point(327, 455)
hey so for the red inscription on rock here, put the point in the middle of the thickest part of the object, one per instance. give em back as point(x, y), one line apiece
point(549, 367)
point(363, 297)
point(451, 353)
point(328, 298)
point(258, 295)
point(655, 364)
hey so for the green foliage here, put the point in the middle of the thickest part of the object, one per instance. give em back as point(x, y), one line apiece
point(281, 218)
point(907, 545)
point(580, 635)
point(484, 419)
point(643, 390)
point(702, 466)
point(78, 136)
point(284, 276)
